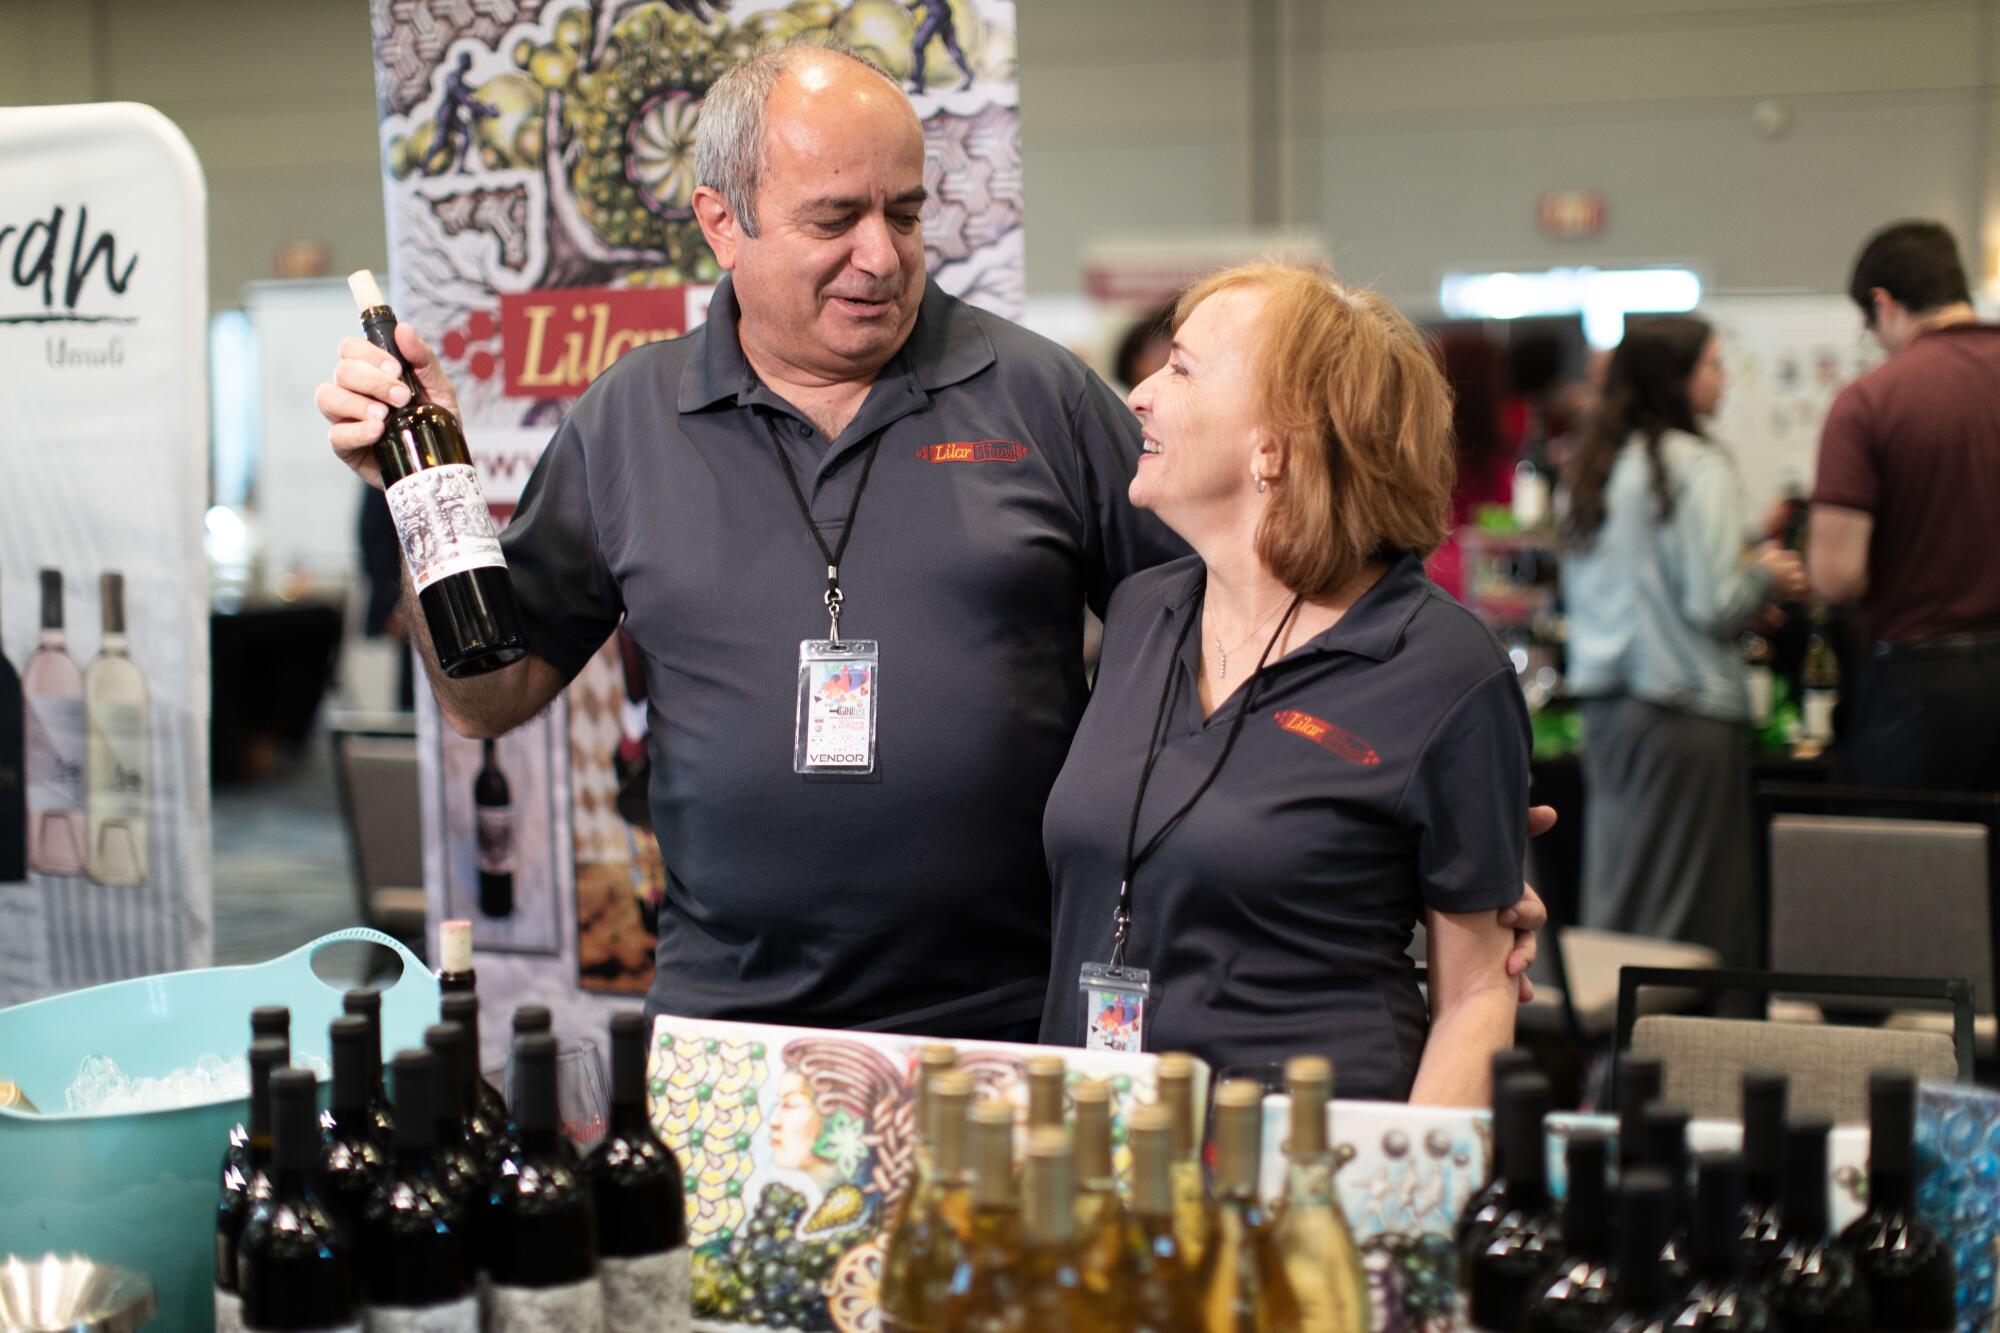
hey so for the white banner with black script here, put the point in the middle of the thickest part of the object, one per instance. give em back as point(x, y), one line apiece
point(104, 694)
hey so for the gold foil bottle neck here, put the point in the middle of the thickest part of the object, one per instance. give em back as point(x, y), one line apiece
point(1176, 1080)
point(1093, 1130)
point(1239, 1113)
point(951, 1094)
point(992, 1155)
point(1151, 1130)
point(1050, 1188)
point(934, 1059)
point(13, 1099)
point(1045, 1091)
point(1309, 1079)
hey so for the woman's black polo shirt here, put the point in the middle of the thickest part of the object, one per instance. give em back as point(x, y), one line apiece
point(1383, 771)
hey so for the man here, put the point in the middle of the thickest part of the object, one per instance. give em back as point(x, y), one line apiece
point(966, 484)
point(1903, 518)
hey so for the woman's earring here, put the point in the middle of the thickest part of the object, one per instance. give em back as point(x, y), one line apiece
point(1262, 485)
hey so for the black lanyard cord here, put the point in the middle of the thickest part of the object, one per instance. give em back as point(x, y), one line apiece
point(832, 554)
point(1122, 919)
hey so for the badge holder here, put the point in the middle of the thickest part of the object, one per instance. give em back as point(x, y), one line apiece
point(835, 731)
point(1114, 1007)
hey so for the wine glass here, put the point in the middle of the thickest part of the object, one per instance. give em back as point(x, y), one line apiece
point(583, 1106)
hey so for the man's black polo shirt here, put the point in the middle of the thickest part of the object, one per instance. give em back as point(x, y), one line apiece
point(915, 898)
point(1383, 771)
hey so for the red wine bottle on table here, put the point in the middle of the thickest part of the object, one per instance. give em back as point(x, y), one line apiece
point(449, 543)
point(366, 1005)
point(1763, 1170)
point(1912, 1281)
point(1576, 1291)
point(1721, 1297)
point(13, 777)
point(246, 1176)
point(641, 1203)
point(1503, 1258)
point(461, 1170)
point(485, 1113)
point(415, 1247)
point(295, 1262)
point(539, 1239)
point(1818, 1288)
point(353, 1160)
point(493, 808)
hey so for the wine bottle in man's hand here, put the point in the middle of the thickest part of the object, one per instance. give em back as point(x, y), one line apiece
point(448, 539)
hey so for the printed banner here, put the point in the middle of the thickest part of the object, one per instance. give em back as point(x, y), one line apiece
point(104, 681)
point(538, 160)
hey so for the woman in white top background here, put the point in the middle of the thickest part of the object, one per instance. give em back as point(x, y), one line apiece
point(1657, 584)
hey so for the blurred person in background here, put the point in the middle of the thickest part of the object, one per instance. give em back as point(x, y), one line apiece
point(1903, 519)
point(1476, 369)
point(1143, 349)
point(1657, 583)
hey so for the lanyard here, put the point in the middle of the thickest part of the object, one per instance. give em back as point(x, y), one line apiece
point(1155, 746)
point(832, 554)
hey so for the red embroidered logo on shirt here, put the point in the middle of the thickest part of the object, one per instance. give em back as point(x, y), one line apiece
point(1329, 737)
point(974, 451)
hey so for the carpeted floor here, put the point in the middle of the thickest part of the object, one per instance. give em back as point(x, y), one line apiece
point(282, 870)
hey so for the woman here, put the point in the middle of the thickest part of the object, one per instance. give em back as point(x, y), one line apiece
point(1310, 744)
point(1657, 588)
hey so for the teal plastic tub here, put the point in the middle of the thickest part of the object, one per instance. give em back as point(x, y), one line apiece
point(139, 1188)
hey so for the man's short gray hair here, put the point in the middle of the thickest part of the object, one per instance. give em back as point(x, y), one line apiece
point(729, 137)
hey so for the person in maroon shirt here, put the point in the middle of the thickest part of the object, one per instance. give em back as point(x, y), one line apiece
point(1903, 520)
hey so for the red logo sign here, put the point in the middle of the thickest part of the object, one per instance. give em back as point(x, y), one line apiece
point(1329, 737)
point(557, 341)
point(974, 451)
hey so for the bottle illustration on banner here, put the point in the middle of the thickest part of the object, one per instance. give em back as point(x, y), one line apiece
point(53, 690)
point(493, 804)
point(13, 777)
point(119, 754)
point(447, 534)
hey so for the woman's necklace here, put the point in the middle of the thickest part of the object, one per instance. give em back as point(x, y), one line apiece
point(1222, 652)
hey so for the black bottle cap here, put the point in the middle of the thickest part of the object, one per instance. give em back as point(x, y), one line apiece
point(462, 1008)
point(1804, 1213)
point(416, 1099)
point(1663, 1141)
point(295, 1139)
point(446, 1041)
point(1892, 1127)
point(531, 1018)
point(1763, 1119)
point(1507, 1062)
point(367, 1003)
point(1643, 1227)
point(52, 608)
point(1718, 1210)
point(628, 1059)
point(1587, 1210)
point(353, 1071)
point(1640, 1078)
point(271, 1020)
point(267, 1056)
point(535, 1082)
point(1523, 1103)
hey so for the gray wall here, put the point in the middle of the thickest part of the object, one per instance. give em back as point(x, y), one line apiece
point(1414, 133)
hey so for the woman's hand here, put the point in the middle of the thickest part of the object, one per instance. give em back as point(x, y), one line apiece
point(1787, 571)
point(1529, 915)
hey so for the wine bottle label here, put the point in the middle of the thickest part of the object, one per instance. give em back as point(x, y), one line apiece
point(56, 742)
point(496, 839)
point(442, 519)
point(648, 1294)
point(228, 1312)
point(1817, 719)
point(576, 1308)
point(455, 1317)
point(117, 767)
